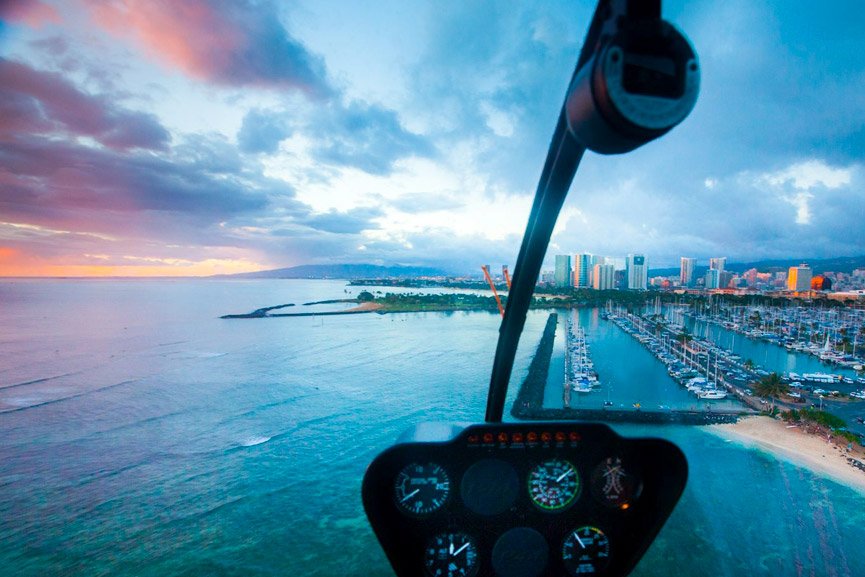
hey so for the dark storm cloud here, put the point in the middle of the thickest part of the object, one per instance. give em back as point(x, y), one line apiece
point(38, 102)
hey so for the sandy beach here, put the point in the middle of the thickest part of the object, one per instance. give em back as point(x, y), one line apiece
point(792, 444)
point(368, 306)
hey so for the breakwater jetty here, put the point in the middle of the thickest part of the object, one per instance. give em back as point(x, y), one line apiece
point(530, 397)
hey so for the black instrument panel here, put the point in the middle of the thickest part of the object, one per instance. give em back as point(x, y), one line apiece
point(522, 500)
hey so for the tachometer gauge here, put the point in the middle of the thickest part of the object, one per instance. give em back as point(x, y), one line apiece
point(554, 485)
point(451, 555)
point(421, 488)
point(586, 551)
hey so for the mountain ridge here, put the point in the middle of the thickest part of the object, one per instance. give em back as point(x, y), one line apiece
point(341, 271)
point(845, 264)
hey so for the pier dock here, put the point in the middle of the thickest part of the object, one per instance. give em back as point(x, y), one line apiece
point(528, 404)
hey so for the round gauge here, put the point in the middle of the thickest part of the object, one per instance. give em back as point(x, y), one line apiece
point(586, 551)
point(421, 489)
point(451, 555)
point(554, 485)
point(614, 485)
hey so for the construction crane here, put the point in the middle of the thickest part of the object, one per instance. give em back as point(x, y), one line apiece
point(487, 276)
point(506, 275)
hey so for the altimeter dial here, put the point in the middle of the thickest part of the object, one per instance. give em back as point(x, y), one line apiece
point(421, 488)
point(554, 485)
point(451, 555)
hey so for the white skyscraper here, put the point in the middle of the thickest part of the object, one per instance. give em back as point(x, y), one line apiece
point(799, 278)
point(603, 277)
point(712, 278)
point(583, 270)
point(718, 263)
point(686, 275)
point(637, 271)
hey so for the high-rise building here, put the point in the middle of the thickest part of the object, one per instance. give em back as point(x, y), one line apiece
point(712, 278)
point(603, 277)
point(821, 283)
point(686, 274)
point(636, 271)
point(799, 278)
point(583, 270)
point(563, 270)
point(718, 263)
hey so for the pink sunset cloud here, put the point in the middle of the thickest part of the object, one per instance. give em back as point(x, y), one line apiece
point(39, 102)
point(31, 13)
point(232, 43)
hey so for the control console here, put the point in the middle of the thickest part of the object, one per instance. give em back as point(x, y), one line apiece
point(521, 499)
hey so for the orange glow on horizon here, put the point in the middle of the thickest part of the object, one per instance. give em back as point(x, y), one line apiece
point(14, 263)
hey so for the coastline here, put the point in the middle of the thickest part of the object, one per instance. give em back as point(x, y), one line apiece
point(367, 307)
point(790, 443)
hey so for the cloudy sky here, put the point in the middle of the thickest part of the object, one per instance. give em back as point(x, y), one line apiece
point(166, 137)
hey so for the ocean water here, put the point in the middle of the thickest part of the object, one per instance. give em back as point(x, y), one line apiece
point(142, 435)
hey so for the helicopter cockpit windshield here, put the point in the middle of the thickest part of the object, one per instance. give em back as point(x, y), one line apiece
point(552, 498)
point(253, 321)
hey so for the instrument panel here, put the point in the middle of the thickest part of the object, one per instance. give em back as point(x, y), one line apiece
point(521, 500)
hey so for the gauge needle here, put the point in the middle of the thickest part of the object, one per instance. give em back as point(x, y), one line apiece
point(410, 495)
point(580, 541)
point(563, 475)
point(460, 550)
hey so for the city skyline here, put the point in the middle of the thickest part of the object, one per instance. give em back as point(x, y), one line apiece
point(146, 139)
point(634, 274)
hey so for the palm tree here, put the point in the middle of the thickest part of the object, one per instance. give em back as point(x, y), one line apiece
point(771, 387)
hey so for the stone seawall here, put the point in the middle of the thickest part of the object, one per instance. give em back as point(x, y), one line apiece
point(530, 397)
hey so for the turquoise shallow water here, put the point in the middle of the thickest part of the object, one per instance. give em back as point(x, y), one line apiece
point(142, 435)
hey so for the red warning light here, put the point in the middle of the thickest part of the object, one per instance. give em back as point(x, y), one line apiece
point(532, 437)
point(574, 436)
point(474, 438)
point(560, 437)
point(503, 437)
point(546, 436)
point(488, 437)
point(517, 437)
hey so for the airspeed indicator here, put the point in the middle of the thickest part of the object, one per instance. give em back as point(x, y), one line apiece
point(554, 485)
